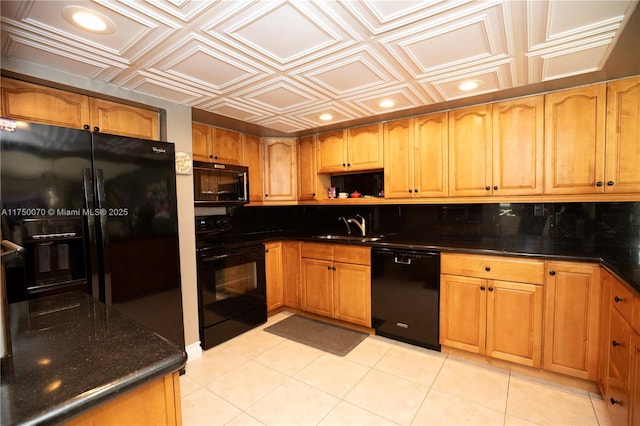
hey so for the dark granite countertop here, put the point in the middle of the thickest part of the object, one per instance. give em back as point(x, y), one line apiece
point(70, 353)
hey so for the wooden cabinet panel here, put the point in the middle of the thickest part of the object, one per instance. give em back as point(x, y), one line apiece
point(623, 127)
point(156, 403)
point(351, 254)
point(114, 118)
point(352, 292)
point(463, 307)
point(399, 154)
point(574, 148)
point(331, 152)
point(365, 148)
point(317, 286)
point(518, 141)
point(430, 156)
point(494, 267)
point(201, 135)
point(620, 348)
point(635, 393)
point(291, 273)
point(39, 104)
point(606, 280)
point(317, 251)
point(226, 146)
point(572, 316)
point(307, 174)
point(274, 275)
point(470, 155)
point(253, 158)
point(514, 322)
point(622, 299)
point(280, 169)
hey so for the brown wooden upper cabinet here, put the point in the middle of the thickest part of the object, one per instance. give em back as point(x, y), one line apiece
point(415, 157)
point(280, 169)
point(351, 150)
point(216, 145)
point(253, 158)
point(307, 176)
point(497, 149)
point(574, 140)
point(41, 104)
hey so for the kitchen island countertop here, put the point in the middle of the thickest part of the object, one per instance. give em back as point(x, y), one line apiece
point(70, 353)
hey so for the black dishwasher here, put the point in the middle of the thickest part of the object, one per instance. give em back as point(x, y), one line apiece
point(405, 293)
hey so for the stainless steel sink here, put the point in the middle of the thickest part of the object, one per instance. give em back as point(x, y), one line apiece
point(354, 238)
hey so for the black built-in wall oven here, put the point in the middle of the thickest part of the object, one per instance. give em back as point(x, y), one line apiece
point(231, 281)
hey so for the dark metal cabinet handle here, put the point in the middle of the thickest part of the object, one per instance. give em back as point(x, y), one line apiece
point(344, 164)
point(348, 164)
point(266, 195)
point(96, 129)
point(610, 183)
point(488, 188)
point(613, 401)
point(482, 288)
point(410, 191)
point(495, 188)
point(490, 288)
point(552, 273)
point(598, 183)
point(211, 156)
point(615, 344)
point(86, 127)
point(415, 190)
point(487, 268)
point(617, 299)
point(314, 194)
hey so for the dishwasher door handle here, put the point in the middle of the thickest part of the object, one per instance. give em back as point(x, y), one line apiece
point(402, 262)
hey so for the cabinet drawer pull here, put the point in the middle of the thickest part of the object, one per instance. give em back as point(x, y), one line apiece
point(617, 299)
point(598, 183)
point(482, 288)
point(488, 188)
point(495, 188)
point(610, 183)
point(487, 268)
point(614, 401)
point(402, 325)
point(490, 288)
point(615, 343)
point(552, 273)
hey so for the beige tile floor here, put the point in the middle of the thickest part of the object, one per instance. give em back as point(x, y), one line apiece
point(262, 379)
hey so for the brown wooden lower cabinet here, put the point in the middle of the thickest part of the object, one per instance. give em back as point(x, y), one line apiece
point(156, 403)
point(273, 275)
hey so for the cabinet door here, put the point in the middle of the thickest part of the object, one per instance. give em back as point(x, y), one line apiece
point(430, 168)
point(623, 127)
point(352, 293)
point(253, 158)
point(514, 322)
point(201, 135)
point(518, 132)
point(307, 176)
point(635, 408)
point(226, 146)
point(606, 280)
point(280, 169)
point(291, 273)
point(572, 318)
point(463, 312)
point(332, 152)
point(574, 140)
point(39, 104)
point(398, 158)
point(317, 286)
point(274, 276)
point(114, 118)
point(470, 151)
point(365, 148)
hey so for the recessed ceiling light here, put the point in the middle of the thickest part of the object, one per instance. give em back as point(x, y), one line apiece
point(326, 117)
point(469, 85)
point(88, 20)
point(387, 103)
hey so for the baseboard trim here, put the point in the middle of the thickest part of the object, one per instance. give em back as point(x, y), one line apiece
point(194, 351)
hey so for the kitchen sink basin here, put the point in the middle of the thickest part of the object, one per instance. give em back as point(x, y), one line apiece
point(354, 238)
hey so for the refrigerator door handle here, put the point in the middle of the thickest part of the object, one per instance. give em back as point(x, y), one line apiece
point(89, 202)
point(102, 196)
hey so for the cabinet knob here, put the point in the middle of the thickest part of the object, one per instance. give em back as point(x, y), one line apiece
point(266, 195)
point(415, 190)
point(344, 165)
point(488, 188)
point(610, 183)
point(552, 273)
point(96, 128)
point(495, 188)
point(328, 268)
point(615, 344)
point(313, 194)
point(348, 164)
point(613, 401)
point(617, 299)
point(86, 127)
point(482, 288)
point(598, 183)
point(487, 268)
point(490, 289)
point(410, 191)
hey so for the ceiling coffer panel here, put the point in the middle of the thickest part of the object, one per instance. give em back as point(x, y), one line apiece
point(283, 63)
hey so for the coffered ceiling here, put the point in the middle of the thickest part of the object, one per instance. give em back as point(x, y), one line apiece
point(282, 64)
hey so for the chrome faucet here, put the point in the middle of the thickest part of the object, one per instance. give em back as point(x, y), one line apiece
point(346, 223)
point(360, 225)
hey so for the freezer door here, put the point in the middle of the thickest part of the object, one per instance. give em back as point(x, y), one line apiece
point(136, 218)
point(42, 201)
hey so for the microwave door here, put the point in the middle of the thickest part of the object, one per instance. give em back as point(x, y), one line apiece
point(208, 186)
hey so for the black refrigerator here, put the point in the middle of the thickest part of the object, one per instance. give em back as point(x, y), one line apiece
point(97, 213)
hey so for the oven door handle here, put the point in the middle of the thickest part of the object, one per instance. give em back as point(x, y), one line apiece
point(234, 252)
point(219, 257)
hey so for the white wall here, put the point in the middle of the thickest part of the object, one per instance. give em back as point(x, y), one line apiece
point(178, 132)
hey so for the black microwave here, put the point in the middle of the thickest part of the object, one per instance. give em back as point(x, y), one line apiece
point(217, 184)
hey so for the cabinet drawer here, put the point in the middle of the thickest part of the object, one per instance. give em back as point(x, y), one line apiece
point(635, 323)
point(493, 267)
point(618, 400)
point(350, 254)
point(316, 251)
point(620, 346)
point(622, 298)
